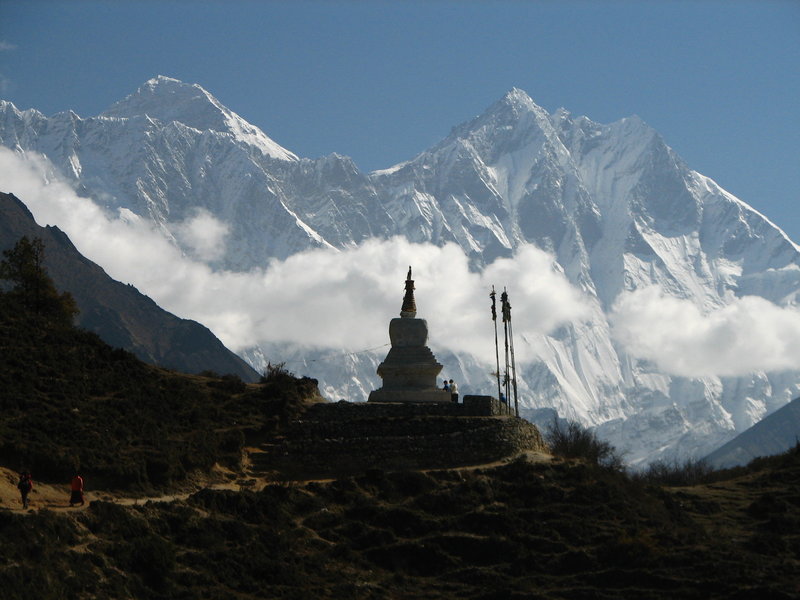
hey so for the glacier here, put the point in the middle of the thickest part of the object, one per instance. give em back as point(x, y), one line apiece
point(613, 204)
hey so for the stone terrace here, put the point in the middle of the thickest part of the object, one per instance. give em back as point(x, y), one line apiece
point(343, 438)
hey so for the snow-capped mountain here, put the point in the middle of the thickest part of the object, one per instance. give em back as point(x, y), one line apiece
point(613, 203)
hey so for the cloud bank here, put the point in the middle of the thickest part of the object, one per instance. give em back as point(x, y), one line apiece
point(322, 298)
point(748, 334)
point(343, 299)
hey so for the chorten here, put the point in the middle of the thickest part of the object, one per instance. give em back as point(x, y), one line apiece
point(409, 370)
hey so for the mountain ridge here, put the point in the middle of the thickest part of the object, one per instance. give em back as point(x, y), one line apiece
point(774, 434)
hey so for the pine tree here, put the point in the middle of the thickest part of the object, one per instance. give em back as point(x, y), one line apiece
point(33, 291)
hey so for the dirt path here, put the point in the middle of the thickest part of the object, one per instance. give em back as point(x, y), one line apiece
point(530, 455)
point(55, 497)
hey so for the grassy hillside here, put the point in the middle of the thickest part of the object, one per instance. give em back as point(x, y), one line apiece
point(556, 529)
point(69, 401)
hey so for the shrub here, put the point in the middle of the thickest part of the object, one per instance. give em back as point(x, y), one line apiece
point(571, 440)
point(677, 473)
point(276, 373)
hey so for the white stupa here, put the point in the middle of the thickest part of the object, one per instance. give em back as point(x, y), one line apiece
point(410, 369)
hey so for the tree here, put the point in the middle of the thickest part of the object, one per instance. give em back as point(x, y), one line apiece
point(33, 291)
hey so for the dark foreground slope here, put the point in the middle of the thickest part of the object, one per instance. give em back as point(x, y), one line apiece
point(553, 529)
point(119, 313)
point(68, 402)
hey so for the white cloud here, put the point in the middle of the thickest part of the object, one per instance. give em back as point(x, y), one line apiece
point(320, 298)
point(204, 234)
point(344, 299)
point(749, 334)
point(7, 46)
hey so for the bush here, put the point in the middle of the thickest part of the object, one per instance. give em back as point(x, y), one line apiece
point(276, 373)
point(573, 441)
point(677, 473)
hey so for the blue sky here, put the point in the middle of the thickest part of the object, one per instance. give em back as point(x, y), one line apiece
point(383, 81)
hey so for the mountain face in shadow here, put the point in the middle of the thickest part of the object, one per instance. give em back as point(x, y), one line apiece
point(774, 434)
point(119, 313)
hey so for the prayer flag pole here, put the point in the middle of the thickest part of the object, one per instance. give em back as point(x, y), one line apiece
point(496, 348)
point(509, 339)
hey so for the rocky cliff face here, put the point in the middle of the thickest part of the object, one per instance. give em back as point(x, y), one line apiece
point(616, 207)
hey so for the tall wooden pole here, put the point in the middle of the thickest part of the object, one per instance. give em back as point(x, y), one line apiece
point(496, 348)
point(506, 317)
point(513, 362)
point(511, 376)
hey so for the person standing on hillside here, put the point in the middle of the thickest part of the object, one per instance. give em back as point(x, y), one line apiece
point(76, 487)
point(25, 486)
point(454, 391)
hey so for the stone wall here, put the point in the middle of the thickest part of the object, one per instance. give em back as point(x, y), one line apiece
point(470, 406)
point(333, 439)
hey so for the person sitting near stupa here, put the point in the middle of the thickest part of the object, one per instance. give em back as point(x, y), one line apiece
point(454, 391)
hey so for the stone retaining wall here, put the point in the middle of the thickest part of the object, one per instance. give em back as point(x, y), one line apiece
point(347, 438)
point(469, 406)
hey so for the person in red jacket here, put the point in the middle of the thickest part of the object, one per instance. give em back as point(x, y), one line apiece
point(25, 486)
point(76, 487)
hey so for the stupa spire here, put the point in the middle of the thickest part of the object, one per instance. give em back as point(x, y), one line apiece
point(409, 309)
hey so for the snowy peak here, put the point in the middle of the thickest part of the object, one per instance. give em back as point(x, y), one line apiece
point(166, 99)
point(511, 124)
point(513, 112)
point(515, 99)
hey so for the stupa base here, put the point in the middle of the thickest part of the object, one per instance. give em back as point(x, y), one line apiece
point(409, 396)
